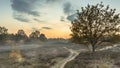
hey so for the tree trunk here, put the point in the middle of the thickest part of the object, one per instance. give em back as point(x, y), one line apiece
point(93, 48)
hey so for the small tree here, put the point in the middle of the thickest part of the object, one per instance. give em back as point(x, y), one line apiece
point(3, 34)
point(93, 23)
point(42, 37)
point(21, 35)
point(34, 35)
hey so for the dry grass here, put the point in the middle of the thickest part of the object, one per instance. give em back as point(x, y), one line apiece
point(100, 59)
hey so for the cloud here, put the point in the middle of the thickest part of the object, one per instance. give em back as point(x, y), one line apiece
point(62, 19)
point(47, 28)
point(34, 29)
point(67, 8)
point(29, 7)
point(35, 13)
point(71, 17)
point(21, 18)
point(25, 6)
point(51, 1)
point(21, 8)
point(37, 20)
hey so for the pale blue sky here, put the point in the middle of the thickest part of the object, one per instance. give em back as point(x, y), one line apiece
point(44, 13)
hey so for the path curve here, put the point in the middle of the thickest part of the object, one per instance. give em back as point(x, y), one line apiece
point(62, 63)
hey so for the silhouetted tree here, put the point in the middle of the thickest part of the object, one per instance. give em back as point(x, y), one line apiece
point(3, 34)
point(21, 35)
point(3, 30)
point(34, 35)
point(42, 37)
point(11, 37)
point(93, 23)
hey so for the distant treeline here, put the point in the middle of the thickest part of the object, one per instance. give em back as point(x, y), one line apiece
point(112, 39)
point(21, 36)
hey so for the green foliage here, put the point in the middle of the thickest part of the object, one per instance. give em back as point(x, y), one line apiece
point(37, 36)
point(34, 35)
point(42, 37)
point(21, 35)
point(3, 34)
point(3, 30)
point(93, 23)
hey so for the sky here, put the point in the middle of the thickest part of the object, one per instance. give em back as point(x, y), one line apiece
point(51, 17)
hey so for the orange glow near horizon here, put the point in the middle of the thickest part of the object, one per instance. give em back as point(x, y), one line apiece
point(52, 33)
point(57, 33)
point(58, 29)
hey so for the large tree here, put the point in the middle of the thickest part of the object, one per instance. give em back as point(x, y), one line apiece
point(93, 23)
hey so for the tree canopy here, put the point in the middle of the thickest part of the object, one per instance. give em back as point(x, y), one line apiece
point(3, 33)
point(34, 35)
point(20, 36)
point(93, 23)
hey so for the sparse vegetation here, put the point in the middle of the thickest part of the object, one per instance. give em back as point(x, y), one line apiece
point(33, 58)
point(100, 59)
